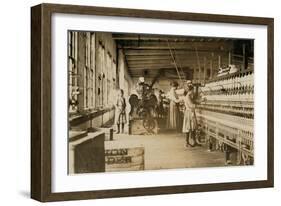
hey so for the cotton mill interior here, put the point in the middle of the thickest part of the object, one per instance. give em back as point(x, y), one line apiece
point(148, 102)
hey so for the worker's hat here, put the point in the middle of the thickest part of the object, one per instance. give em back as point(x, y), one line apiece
point(188, 82)
point(141, 79)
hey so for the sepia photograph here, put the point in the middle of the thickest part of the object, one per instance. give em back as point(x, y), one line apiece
point(150, 102)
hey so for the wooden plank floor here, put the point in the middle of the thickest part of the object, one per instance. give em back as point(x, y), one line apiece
point(167, 151)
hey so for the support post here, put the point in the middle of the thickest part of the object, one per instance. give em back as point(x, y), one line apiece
point(211, 69)
point(194, 73)
point(204, 74)
point(244, 57)
point(229, 58)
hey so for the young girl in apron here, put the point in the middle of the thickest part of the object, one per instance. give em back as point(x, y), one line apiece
point(189, 118)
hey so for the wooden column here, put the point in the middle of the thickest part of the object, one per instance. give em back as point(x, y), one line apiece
point(199, 74)
point(244, 57)
point(229, 57)
point(219, 61)
point(204, 74)
point(211, 69)
point(194, 73)
point(211, 65)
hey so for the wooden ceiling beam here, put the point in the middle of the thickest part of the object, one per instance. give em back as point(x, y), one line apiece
point(203, 46)
point(158, 52)
point(163, 66)
point(168, 60)
point(142, 57)
point(177, 55)
point(155, 37)
point(190, 65)
point(151, 38)
point(179, 63)
point(141, 72)
point(167, 74)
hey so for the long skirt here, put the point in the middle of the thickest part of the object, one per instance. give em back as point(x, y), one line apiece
point(120, 117)
point(189, 121)
point(173, 116)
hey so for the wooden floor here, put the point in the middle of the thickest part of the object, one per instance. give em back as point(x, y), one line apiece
point(168, 151)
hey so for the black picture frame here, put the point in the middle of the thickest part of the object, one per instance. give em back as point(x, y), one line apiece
point(41, 96)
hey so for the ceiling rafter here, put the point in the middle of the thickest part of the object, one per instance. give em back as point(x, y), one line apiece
point(151, 53)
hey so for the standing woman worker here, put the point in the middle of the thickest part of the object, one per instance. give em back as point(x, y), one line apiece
point(120, 111)
point(173, 113)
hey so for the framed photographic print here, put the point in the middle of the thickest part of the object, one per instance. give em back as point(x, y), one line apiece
point(132, 102)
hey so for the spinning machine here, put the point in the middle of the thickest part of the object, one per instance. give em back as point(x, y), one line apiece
point(227, 116)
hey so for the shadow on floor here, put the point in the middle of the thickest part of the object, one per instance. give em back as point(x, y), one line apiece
point(24, 193)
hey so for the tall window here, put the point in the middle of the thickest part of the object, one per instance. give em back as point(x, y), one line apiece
point(92, 72)
point(88, 74)
point(109, 81)
point(100, 76)
point(73, 88)
point(104, 79)
point(114, 77)
point(81, 68)
point(108, 76)
point(93, 68)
